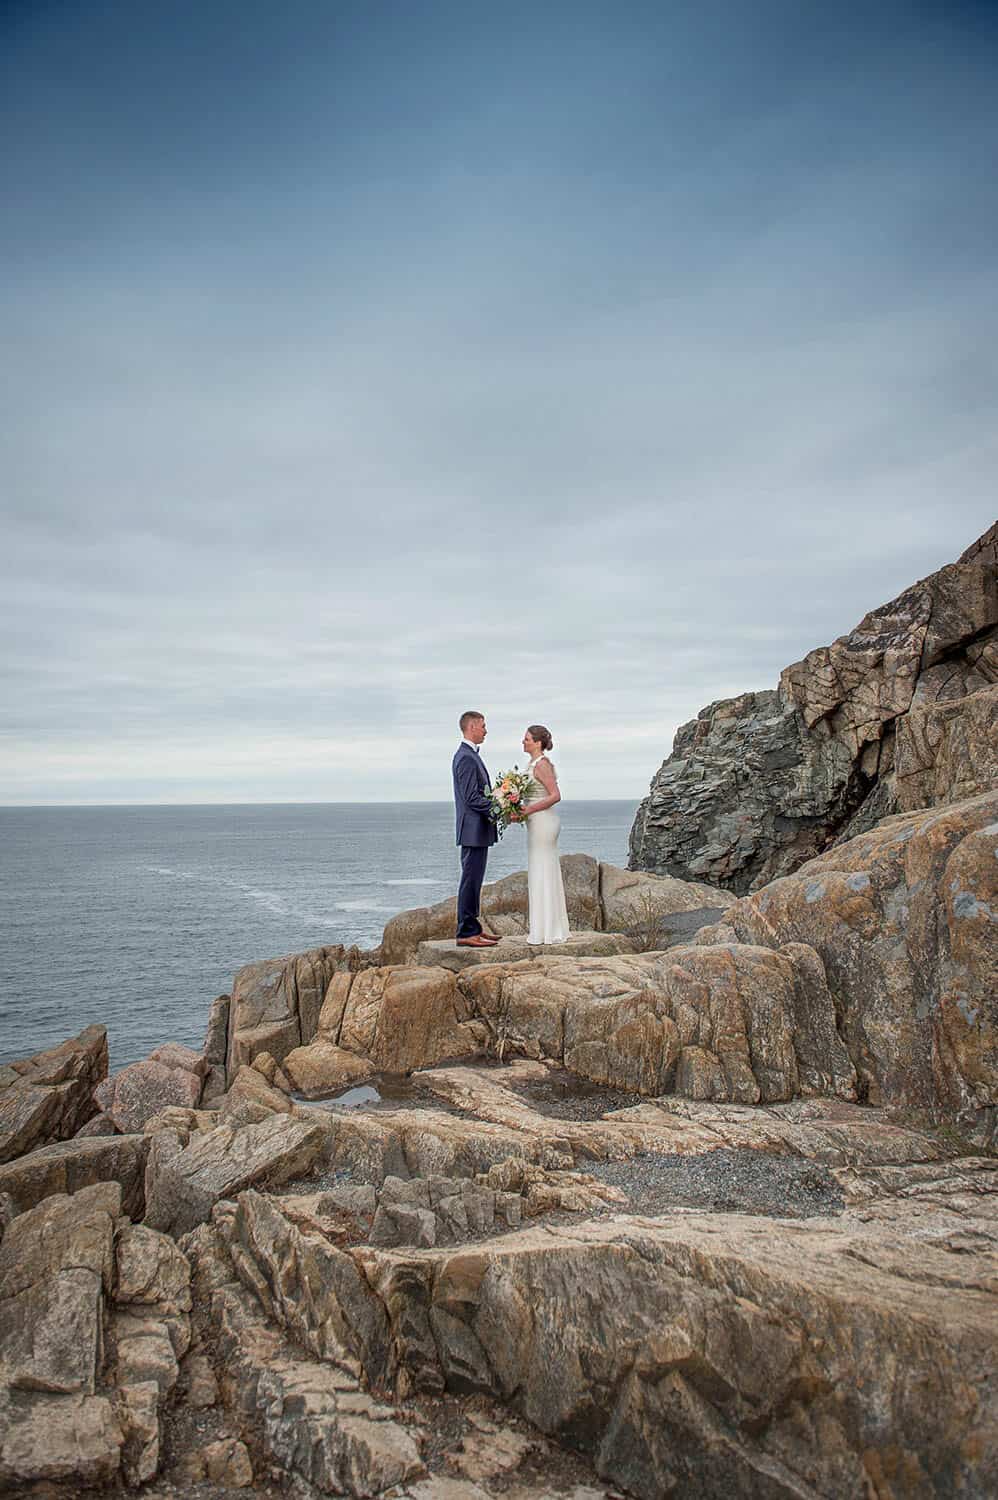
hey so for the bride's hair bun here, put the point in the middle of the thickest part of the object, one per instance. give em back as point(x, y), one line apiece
point(541, 735)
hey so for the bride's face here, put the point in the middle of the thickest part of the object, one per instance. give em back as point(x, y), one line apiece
point(531, 746)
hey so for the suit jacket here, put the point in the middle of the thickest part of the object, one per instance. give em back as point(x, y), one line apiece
point(475, 826)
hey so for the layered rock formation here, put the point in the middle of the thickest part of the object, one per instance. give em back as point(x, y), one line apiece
point(275, 1005)
point(898, 714)
point(478, 1292)
point(904, 920)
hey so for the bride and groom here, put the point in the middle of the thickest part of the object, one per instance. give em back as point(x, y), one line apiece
point(476, 833)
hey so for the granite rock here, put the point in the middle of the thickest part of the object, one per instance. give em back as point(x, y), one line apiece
point(144, 1089)
point(275, 1004)
point(48, 1097)
point(184, 1182)
point(887, 715)
point(70, 1166)
point(56, 1269)
point(719, 1354)
point(903, 920)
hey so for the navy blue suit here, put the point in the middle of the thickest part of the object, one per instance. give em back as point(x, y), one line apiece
point(476, 832)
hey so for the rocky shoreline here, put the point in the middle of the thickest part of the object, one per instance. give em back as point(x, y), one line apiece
point(703, 1202)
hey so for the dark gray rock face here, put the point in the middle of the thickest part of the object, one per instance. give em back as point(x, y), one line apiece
point(757, 785)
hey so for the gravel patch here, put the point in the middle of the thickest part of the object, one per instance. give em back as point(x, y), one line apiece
point(723, 1181)
point(565, 1096)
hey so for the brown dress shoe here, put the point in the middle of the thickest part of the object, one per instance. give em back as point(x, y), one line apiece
point(475, 942)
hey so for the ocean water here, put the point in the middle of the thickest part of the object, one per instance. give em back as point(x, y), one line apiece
point(137, 917)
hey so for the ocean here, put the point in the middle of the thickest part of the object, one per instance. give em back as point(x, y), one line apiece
point(137, 917)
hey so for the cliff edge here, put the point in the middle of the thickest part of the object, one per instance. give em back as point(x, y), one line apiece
point(900, 713)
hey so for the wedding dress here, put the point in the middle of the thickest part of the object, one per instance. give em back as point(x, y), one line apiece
point(545, 890)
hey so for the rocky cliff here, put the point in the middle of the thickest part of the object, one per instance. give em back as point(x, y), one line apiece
point(702, 1201)
point(901, 713)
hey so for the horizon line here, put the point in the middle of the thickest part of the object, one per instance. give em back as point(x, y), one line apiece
point(362, 802)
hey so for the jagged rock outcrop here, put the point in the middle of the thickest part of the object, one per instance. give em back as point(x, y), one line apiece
point(723, 1358)
point(874, 969)
point(335, 1325)
point(715, 1023)
point(94, 1316)
point(49, 1097)
point(732, 1354)
point(905, 920)
point(294, 1009)
point(70, 1166)
point(275, 1004)
point(889, 714)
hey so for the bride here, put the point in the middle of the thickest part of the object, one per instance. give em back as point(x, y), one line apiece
point(545, 891)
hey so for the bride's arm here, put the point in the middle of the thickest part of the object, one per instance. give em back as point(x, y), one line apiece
point(544, 773)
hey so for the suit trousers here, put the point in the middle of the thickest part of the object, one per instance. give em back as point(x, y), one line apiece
point(469, 892)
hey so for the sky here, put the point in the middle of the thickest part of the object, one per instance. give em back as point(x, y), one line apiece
point(366, 362)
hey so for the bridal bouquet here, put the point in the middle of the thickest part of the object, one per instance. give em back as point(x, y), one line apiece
point(507, 796)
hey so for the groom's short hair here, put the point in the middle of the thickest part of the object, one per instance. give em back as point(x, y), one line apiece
point(468, 716)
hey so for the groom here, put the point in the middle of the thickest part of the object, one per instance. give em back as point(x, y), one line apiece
point(476, 829)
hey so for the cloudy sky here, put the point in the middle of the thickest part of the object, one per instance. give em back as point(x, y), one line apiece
point(363, 362)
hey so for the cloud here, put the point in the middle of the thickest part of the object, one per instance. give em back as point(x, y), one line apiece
point(583, 368)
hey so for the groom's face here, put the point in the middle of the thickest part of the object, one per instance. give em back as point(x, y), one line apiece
point(477, 731)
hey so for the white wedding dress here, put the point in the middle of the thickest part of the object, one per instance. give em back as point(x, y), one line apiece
point(545, 890)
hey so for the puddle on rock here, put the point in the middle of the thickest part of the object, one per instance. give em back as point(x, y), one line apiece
point(385, 1091)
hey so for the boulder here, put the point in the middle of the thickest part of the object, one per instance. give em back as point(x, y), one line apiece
point(183, 1183)
point(73, 1441)
point(173, 1055)
point(71, 1166)
point(889, 714)
point(398, 1018)
point(56, 1267)
point(250, 1086)
point(275, 1004)
point(225, 1462)
point(144, 1089)
point(902, 918)
point(323, 1068)
point(48, 1096)
point(657, 911)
